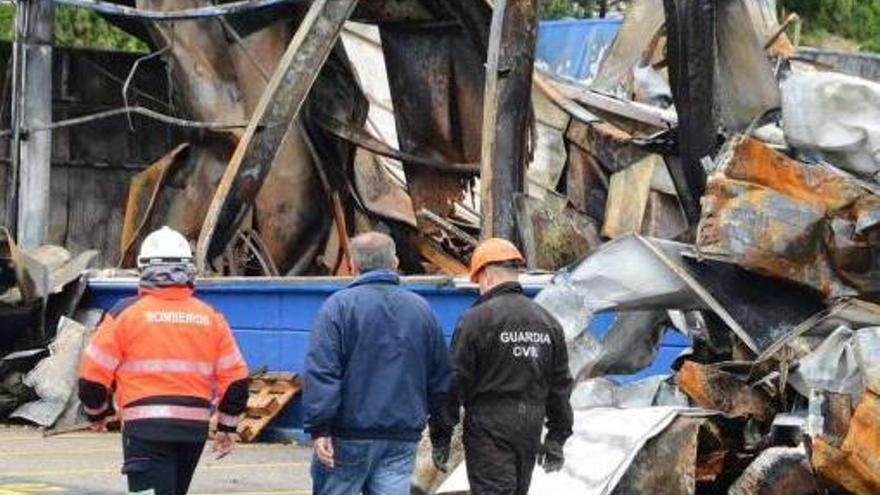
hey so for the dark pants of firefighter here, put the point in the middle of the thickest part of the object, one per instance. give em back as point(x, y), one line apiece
point(501, 442)
point(166, 468)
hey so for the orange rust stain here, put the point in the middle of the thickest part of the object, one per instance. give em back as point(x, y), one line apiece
point(757, 163)
point(856, 465)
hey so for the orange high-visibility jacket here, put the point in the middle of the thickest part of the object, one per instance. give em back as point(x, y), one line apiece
point(167, 357)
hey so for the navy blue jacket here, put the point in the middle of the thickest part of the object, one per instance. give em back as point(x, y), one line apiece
point(377, 364)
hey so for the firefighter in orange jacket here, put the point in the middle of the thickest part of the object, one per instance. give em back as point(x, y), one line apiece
point(161, 357)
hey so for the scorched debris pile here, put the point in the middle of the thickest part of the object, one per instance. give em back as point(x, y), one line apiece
point(709, 185)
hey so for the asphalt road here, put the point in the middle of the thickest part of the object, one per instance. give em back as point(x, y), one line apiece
point(89, 463)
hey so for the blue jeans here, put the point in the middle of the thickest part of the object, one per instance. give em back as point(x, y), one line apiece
point(371, 467)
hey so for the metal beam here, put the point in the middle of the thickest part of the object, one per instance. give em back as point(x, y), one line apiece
point(507, 111)
point(690, 30)
point(276, 112)
point(231, 8)
point(35, 110)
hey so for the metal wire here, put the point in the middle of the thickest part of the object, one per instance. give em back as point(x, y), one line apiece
point(145, 112)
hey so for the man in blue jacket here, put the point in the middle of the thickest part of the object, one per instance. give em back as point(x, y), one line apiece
point(376, 369)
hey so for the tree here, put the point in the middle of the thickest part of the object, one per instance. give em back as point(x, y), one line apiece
point(858, 20)
point(558, 9)
point(80, 28)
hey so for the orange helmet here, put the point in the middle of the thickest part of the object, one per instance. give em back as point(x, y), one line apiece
point(493, 250)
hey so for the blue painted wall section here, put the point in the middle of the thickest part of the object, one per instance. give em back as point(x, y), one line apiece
point(271, 320)
point(573, 48)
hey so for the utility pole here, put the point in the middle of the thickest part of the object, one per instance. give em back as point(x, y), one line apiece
point(28, 205)
point(507, 110)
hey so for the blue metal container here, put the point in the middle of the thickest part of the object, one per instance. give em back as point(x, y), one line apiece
point(271, 318)
point(573, 48)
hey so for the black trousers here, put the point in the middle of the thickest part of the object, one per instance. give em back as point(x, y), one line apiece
point(500, 446)
point(166, 468)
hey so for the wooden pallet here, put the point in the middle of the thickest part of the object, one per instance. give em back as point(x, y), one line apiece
point(268, 393)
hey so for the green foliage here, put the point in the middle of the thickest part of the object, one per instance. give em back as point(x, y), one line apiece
point(858, 20)
point(80, 28)
point(559, 9)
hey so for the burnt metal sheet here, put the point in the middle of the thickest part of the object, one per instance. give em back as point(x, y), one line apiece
point(553, 234)
point(378, 190)
point(291, 210)
point(279, 105)
point(856, 464)
point(630, 345)
point(143, 194)
point(690, 31)
point(398, 11)
point(852, 313)
point(678, 447)
point(747, 87)
point(441, 120)
point(714, 389)
point(362, 138)
point(507, 114)
point(771, 214)
point(633, 272)
point(778, 471)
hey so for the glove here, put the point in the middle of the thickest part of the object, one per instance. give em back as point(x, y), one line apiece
point(550, 456)
point(440, 456)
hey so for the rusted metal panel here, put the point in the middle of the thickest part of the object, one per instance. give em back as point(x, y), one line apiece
point(280, 103)
point(507, 112)
point(690, 31)
point(289, 208)
point(786, 219)
point(143, 194)
point(198, 54)
point(441, 120)
point(856, 464)
point(718, 390)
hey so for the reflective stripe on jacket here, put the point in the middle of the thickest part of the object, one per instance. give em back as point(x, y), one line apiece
point(164, 352)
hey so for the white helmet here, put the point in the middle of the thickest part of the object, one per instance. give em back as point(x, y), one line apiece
point(164, 246)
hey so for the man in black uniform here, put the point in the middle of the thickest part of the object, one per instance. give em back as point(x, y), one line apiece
point(510, 372)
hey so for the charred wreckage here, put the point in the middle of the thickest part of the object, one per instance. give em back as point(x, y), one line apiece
point(712, 180)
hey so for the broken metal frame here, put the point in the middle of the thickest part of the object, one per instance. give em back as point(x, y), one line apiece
point(277, 110)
